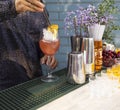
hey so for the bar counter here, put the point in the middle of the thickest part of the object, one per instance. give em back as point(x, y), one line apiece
point(60, 95)
point(84, 98)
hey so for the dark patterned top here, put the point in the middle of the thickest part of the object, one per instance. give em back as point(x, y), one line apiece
point(19, 36)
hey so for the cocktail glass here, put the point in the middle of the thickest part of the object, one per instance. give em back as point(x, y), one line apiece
point(49, 47)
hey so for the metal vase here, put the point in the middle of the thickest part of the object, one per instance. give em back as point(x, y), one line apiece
point(76, 43)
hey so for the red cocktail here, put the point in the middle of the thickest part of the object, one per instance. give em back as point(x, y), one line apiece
point(49, 45)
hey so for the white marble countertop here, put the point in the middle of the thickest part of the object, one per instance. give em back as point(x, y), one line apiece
point(100, 94)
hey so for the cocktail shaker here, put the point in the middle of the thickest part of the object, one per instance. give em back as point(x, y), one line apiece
point(85, 45)
point(88, 55)
point(76, 70)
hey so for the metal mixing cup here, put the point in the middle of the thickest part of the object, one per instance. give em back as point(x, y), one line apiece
point(76, 72)
point(88, 55)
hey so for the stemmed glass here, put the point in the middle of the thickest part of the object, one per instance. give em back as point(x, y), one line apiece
point(49, 44)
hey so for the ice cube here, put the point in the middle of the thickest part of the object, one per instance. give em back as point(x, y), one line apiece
point(48, 35)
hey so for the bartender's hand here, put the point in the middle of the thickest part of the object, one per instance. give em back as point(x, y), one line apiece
point(52, 62)
point(29, 5)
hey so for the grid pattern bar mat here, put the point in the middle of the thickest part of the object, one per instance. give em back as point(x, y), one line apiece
point(34, 94)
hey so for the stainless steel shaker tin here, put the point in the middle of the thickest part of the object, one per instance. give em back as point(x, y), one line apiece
point(88, 55)
point(76, 71)
point(88, 50)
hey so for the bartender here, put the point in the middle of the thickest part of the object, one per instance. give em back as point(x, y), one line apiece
point(21, 26)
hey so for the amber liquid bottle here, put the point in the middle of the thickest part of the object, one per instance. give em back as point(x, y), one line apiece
point(98, 55)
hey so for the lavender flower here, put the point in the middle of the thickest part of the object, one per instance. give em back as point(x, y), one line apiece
point(85, 17)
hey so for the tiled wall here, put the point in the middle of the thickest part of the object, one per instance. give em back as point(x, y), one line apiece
point(57, 10)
